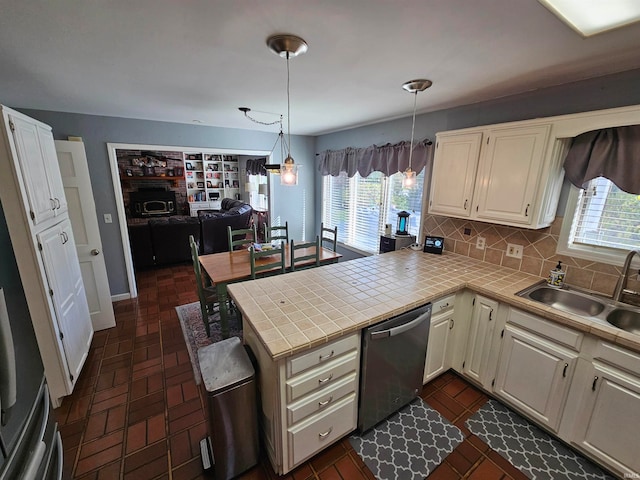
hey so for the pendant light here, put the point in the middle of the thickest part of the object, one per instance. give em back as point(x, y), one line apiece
point(287, 46)
point(413, 86)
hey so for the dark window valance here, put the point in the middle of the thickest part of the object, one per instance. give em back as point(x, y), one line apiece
point(255, 166)
point(388, 159)
point(613, 153)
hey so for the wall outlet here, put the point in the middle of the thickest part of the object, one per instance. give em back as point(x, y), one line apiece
point(480, 243)
point(107, 218)
point(514, 250)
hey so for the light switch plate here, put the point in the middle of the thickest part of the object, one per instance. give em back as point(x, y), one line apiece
point(514, 250)
point(107, 218)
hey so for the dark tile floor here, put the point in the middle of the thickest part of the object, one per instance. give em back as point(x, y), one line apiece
point(136, 412)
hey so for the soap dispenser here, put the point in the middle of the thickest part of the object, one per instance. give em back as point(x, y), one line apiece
point(556, 276)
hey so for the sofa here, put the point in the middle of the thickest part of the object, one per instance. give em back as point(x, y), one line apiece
point(165, 241)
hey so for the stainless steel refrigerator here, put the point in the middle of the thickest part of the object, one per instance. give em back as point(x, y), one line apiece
point(30, 445)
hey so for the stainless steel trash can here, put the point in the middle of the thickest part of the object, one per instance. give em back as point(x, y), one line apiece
point(228, 378)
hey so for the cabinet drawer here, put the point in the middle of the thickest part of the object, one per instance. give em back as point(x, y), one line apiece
point(318, 431)
point(321, 376)
point(559, 334)
point(322, 399)
point(443, 304)
point(618, 356)
point(321, 354)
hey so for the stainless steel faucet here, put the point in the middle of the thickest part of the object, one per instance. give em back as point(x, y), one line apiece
point(624, 276)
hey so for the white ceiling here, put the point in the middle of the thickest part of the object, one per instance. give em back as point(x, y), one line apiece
point(187, 60)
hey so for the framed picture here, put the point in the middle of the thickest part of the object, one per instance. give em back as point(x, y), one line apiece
point(200, 184)
point(209, 184)
point(209, 175)
point(188, 165)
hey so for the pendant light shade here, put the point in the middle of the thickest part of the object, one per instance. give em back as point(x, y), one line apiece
point(288, 46)
point(413, 86)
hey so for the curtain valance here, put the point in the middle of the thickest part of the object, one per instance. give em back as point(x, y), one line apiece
point(255, 166)
point(388, 159)
point(613, 153)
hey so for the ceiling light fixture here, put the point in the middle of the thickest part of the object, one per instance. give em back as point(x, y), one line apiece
point(413, 86)
point(591, 18)
point(287, 46)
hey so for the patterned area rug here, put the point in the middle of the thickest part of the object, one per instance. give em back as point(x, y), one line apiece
point(529, 449)
point(408, 445)
point(195, 334)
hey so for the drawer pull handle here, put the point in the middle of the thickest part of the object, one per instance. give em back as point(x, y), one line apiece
point(324, 357)
point(564, 372)
point(465, 203)
point(325, 434)
point(595, 380)
point(451, 324)
point(325, 380)
point(326, 402)
point(446, 305)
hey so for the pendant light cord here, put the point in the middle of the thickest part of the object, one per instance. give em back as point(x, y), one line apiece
point(413, 126)
point(288, 108)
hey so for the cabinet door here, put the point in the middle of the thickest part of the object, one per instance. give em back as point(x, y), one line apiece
point(67, 290)
point(508, 173)
point(33, 164)
point(480, 336)
point(454, 173)
point(52, 169)
point(437, 361)
point(534, 375)
point(607, 423)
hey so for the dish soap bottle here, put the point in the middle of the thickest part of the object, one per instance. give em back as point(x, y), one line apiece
point(556, 276)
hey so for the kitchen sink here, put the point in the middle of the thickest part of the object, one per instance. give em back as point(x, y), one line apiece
point(625, 319)
point(567, 300)
point(585, 304)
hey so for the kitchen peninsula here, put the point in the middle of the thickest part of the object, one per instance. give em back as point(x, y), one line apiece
point(293, 322)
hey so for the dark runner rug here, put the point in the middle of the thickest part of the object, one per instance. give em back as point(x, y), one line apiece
point(408, 445)
point(195, 335)
point(531, 450)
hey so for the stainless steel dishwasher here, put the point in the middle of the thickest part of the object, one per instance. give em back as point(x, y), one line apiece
point(393, 358)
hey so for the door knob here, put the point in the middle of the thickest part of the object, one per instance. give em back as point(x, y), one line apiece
point(95, 252)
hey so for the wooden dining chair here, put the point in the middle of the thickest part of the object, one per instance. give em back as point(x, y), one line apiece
point(328, 237)
point(307, 260)
point(206, 294)
point(242, 237)
point(274, 264)
point(276, 233)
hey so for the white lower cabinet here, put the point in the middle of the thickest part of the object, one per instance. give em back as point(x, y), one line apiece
point(534, 375)
point(481, 331)
point(608, 417)
point(309, 400)
point(438, 351)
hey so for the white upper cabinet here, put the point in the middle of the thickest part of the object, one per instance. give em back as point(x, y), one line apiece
point(496, 174)
point(454, 174)
point(39, 169)
point(508, 174)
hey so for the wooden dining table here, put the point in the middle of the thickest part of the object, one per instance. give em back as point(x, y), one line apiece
point(230, 267)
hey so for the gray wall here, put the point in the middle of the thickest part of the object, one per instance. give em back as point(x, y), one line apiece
point(595, 94)
point(295, 204)
point(301, 206)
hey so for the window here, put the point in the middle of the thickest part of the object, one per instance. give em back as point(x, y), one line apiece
point(360, 207)
point(601, 222)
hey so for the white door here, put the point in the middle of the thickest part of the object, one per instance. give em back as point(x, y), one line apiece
point(508, 173)
point(535, 375)
point(454, 174)
point(608, 419)
point(82, 212)
point(67, 292)
point(439, 333)
point(480, 336)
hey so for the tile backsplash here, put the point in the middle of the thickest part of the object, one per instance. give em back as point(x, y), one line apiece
point(539, 251)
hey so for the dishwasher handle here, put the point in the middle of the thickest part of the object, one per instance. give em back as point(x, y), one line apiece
point(401, 328)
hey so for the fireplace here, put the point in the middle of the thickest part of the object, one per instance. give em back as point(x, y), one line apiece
point(152, 202)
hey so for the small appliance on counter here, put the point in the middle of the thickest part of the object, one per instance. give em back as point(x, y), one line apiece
point(433, 244)
point(556, 276)
point(390, 243)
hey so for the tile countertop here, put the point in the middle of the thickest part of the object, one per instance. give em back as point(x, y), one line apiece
point(303, 309)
